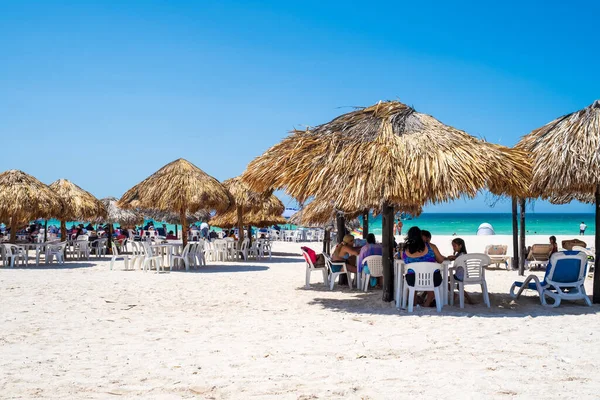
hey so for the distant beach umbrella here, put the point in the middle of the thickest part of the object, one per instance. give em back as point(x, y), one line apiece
point(266, 212)
point(383, 156)
point(24, 198)
point(246, 201)
point(118, 215)
point(565, 156)
point(77, 204)
point(178, 187)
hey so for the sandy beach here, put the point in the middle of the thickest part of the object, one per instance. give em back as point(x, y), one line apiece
point(251, 330)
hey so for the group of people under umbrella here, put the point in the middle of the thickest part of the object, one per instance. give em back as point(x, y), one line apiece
point(384, 158)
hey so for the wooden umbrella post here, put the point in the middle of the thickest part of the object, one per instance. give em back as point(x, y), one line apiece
point(183, 227)
point(45, 230)
point(596, 290)
point(240, 225)
point(515, 226)
point(365, 231)
point(523, 250)
point(13, 230)
point(109, 242)
point(387, 219)
point(341, 227)
point(63, 230)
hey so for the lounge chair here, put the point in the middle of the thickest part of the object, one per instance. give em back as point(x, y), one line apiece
point(497, 255)
point(564, 279)
point(569, 244)
point(538, 255)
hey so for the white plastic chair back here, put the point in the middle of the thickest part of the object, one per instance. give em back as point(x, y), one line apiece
point(473, 265)
point(424, 274)
point(83, 237)
point(375, 264)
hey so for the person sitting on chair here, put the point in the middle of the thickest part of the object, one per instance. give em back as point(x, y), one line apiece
point(344, 251)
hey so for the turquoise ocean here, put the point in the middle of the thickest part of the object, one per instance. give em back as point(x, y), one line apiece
point(467, 223)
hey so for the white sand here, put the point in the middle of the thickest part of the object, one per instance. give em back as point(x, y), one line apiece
point(250, 330)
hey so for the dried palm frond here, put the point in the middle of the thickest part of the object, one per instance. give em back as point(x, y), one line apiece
point(386, 153)
point(565, 154)
point(567, 198)
point(77, 204)
point(117, 215)
point(268, 214)
point(23, 198)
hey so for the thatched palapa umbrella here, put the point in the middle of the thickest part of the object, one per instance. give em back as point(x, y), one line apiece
point(383, 156)
point(179, 187)
point(251, 208)
point(23, 198)
point(77, 204)
point(118, 215)
point(264, 204)
point(565, 156)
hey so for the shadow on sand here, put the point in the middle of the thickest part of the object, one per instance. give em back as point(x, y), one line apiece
point(42, 266)
point(216, 269)
point(503, 305)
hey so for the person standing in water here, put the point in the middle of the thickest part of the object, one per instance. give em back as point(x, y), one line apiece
point(582, 228)
point(398, 227)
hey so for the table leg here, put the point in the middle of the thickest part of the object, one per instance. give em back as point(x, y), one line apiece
point(445, 285)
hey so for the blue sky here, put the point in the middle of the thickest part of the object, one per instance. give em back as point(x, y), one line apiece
point(105, 93)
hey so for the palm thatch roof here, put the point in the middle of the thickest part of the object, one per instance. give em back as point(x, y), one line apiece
point(566, 153)
point(179, 187)
point(23, 198)
point(567, 198)
point(117, 215)
point(266, 215)
point(243, 196)
point(174, 218)
point(77, 204)
point(386, 153)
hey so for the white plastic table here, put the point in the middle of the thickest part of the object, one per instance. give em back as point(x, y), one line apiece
point(37, 247)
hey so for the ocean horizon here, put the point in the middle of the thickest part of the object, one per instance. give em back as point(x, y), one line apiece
point(465, 223)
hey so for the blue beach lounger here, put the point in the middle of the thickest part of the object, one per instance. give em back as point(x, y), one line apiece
point(564, 279)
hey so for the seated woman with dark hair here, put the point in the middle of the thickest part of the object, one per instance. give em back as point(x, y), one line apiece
point(416, 250)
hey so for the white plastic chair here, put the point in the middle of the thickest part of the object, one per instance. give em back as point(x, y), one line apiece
point(473, 267)
point(244, 249)
point(137, 255)
point(56, 250)
point(336, 269)
point(564, 279)
point(375, 265)
point(199, 253)
point(185, 256)
point(310, 268)
point(13, 252)
point(150, 259)
point(423, 273)
point(101, 247)
point(81, 248)
point(116, 256)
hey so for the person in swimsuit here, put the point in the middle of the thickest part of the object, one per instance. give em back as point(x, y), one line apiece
point(416, 250)
point(554, 246)
point(343, 251)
